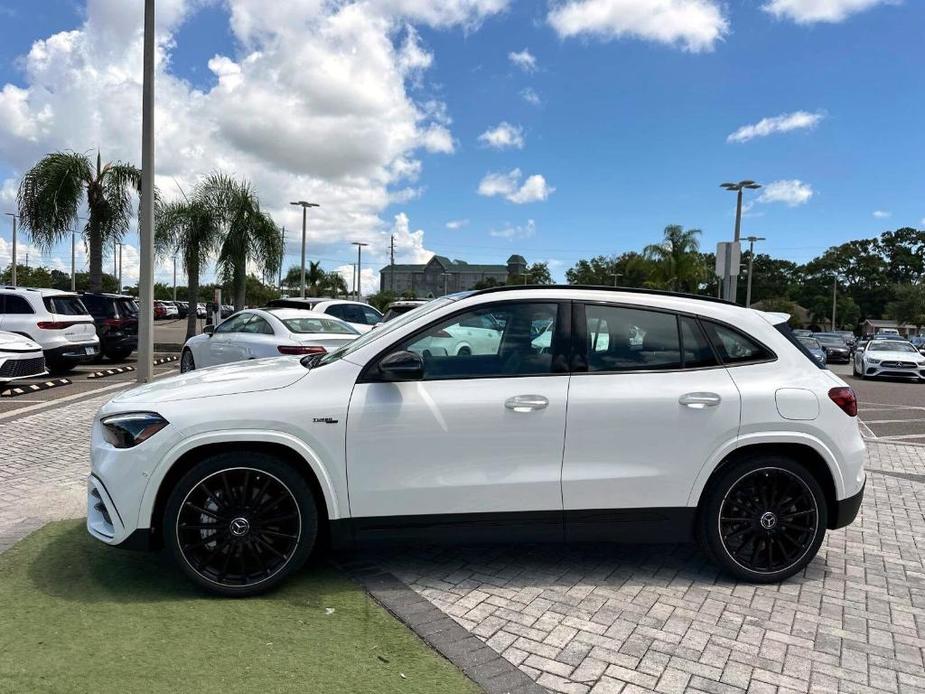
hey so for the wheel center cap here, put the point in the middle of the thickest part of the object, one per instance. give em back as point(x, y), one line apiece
point(768, 520)
point(240, 527)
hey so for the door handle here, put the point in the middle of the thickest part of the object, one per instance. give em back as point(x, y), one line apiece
point(526, 403)
point(698, 401)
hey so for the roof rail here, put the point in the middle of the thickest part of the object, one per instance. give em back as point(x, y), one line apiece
point(598, 287)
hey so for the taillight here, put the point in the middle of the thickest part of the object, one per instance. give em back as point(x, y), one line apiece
point(846, 399)
point(301, 349)
point(59, 325)
point(114, 322)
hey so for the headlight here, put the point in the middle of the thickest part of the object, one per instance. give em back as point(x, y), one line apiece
point(872, 361)
point(130, 429)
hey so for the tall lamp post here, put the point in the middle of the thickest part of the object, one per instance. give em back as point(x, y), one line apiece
point(304, 205)
point(73, 261)
point(14, 216)
point(145, 366)
point(615, 276)
point(834, 299)
point(729, 280)
point(751, 258)
point(359, 245)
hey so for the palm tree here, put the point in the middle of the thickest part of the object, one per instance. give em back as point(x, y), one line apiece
point(249, 234)
point(191, 229)
point(334, 284)
point(677, 263)
point(51, 192)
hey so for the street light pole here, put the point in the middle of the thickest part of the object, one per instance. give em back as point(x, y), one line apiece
point(751, 258)
point(615, 275)
point(730, 281)
point(304, 205)
point(145, 366)
point(834, 299)
point(73, 262)
point(119, 277)
point(359, 245)
point(174, 278)
point(13, 255)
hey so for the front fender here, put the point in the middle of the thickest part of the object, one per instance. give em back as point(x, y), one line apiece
point(768, 437)
point(225, 436)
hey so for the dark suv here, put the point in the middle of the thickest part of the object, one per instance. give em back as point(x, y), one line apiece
point(116, 318)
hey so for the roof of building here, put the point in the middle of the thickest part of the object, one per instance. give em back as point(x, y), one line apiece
point(516, 260)
point(450, 266)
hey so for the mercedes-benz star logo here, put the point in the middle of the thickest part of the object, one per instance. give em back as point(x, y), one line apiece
point(768, 520)
point(241, 526)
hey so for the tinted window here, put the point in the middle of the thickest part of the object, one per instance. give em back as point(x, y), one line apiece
point(629, 339)
point(697, 351)
point(64, 305)
point(734, 347)
point(318, 325)
point(372, 315)
point(257, 325)
point(799, 342)
point(337, 311)
point(891, 346)
point(16, 304)
point(234, 324)
point(518, 343)
point(127, 308)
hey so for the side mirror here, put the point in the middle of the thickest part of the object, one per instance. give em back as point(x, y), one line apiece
point(208, 329)
point(402, 366)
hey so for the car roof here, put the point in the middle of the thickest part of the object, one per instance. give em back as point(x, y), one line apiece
point(41, 291)
point(107, 295)
point(284, 313)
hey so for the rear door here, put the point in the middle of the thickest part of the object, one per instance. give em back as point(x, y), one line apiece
point(649, 403)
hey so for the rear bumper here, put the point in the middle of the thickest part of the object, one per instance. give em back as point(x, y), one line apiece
point(120, 342)
point(846, 510)
point(74, 353)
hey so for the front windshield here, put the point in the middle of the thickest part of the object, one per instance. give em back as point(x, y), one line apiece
point(830, 340)
point(809, 342)
point(386, 329)
point(891, 347)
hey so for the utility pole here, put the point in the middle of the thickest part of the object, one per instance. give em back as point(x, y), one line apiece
point(304, 205)
point(834, 299)
point(751, 258)
point(115, 261)
point(282, 260)
point(392, 263)
point(730, 282)
point(14, 216)
point(615, 275)
point(145, 366)
point(359, 245)
point(119, 278)
point(174, 278)
point(73, 261)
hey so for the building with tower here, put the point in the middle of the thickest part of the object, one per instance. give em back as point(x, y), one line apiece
point(440, 275)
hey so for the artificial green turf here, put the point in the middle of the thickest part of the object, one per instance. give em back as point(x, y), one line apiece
point(76, 616)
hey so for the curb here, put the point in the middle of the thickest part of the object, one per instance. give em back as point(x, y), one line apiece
point(13, 391)
point(110, 372)
point(167, 347)
point(479, 662)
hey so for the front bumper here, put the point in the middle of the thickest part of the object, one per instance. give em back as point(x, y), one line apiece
point(27, 365)
point(846, 510)
point(838, 357)
point(885, 370)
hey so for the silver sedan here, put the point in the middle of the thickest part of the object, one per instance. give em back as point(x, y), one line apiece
point(261, 333)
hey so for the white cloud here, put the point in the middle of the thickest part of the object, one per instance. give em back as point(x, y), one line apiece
point(523, 231)
point(694, 25)
point(529, 95)
point(457, 224)
point(314, 104)
point(882, 214)
point(791, 192)
point(503, 136)
point(777, 124)
point(525, 60)
point(812, 11)
point(508, 185)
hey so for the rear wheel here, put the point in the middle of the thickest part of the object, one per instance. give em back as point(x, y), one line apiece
point(60, 367)
point(763, 519)
point(240, 523)
point(187, 363)
point(118, 354)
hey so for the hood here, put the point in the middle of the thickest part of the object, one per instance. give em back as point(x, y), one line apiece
point(239, 377)
point(17, 343)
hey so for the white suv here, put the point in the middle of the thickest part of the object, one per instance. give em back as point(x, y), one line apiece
point(694, 418)
point(56, 320)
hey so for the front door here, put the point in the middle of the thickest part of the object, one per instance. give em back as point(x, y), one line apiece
point(648, 405)
point(476, 441)
point(223, 347)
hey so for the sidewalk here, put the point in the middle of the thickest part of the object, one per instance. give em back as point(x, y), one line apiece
point(619, 618)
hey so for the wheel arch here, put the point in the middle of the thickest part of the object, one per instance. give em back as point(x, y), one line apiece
point(802, 452)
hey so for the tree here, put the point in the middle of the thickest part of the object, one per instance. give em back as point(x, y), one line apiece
point(538, 273)
point(191, 229)
point(248, 233)
point(486, 283)
point(781, 304)
point(773, 277)
point(381, 299)
point(628, 270)
point(677, 263)
point(51, 193)
point(909, 305)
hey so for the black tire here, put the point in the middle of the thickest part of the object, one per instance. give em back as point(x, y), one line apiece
point(464, 352)
point(265, 518)
point(187, 363)
point(118, 354)
point(59, 368)
point(740, 524)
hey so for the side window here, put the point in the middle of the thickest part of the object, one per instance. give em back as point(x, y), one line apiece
point(734, 347)
point(16, 304)
point(337, 311)
point(372, 316)
point(517, 342)
point(257, 325)
point(629, 339)
point(234, 324)
point(697, 351)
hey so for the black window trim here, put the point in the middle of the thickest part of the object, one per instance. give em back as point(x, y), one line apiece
point(579, 361)
point(562, 337)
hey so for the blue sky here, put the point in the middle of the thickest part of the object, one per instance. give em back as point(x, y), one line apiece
point(627, 133)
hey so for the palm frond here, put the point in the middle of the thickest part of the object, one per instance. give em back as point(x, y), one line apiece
point(50, 195)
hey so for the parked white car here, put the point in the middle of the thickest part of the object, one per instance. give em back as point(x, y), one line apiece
point(715, 426)
point(20, 357)
point(361, 316)
point(889, 358)
point(58, 321)
point(261, 333)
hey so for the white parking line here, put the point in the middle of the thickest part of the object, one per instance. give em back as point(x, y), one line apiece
point(893, 421)
point(902, 436)
point(870, 434)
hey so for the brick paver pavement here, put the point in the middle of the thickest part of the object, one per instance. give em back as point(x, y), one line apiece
point(620, 618)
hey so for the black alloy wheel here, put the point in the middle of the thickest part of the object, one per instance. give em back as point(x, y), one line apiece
point(765, 520)
point(187, 363)
point(239, 523)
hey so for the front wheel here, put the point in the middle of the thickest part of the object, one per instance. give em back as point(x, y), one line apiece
point(187, 363)
point(763, 520)
point(240, 523)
